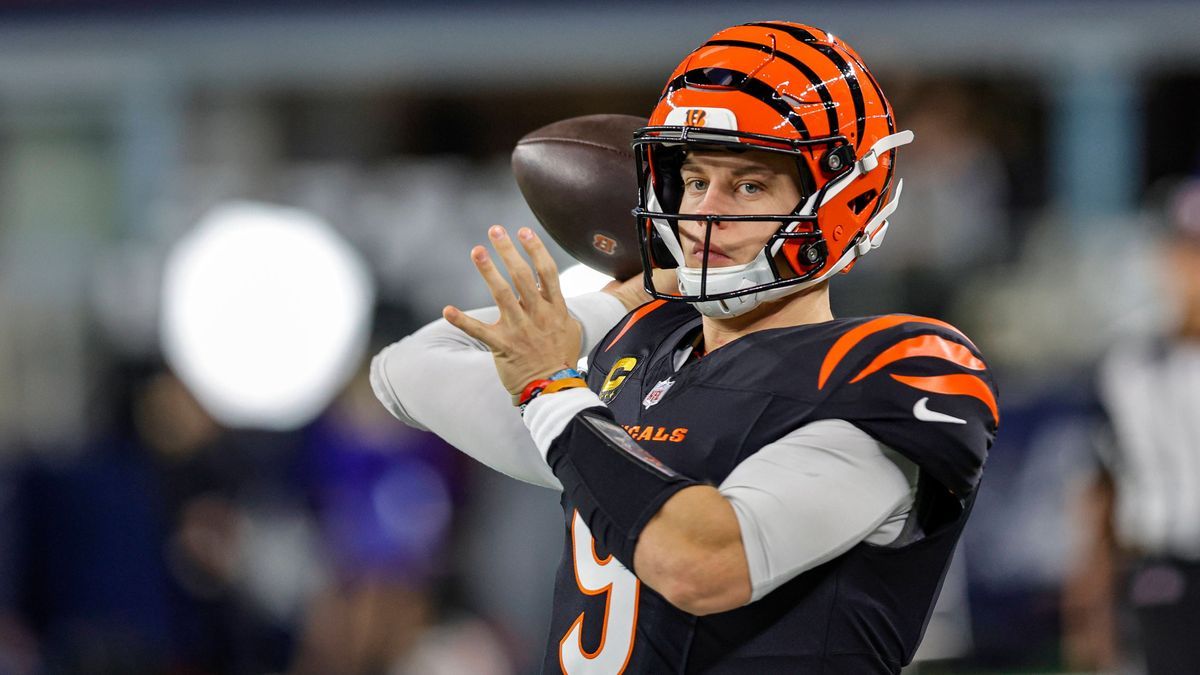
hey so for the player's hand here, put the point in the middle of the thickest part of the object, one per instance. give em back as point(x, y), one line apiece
point(535, 336)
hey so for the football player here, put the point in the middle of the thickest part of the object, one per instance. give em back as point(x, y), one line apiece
point(748, 484)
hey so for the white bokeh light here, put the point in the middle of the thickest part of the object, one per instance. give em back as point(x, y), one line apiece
point(579, 279)
point(265, 315)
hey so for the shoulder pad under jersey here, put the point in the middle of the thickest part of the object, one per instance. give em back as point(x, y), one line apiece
point(920, 386)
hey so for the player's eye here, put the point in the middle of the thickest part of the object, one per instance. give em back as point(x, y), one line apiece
point(750, 188)
point(695, 184)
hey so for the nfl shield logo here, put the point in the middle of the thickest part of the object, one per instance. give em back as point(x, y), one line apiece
point(657, 392)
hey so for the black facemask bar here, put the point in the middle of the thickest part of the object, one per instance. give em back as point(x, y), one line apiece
point(730, 137)
point(645, 228)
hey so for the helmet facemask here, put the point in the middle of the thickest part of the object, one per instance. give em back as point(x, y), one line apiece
point(788, 261)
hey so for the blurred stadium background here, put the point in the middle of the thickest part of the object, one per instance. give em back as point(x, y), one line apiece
point(142, 531)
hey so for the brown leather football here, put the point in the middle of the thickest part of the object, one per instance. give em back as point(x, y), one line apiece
point(578, 177)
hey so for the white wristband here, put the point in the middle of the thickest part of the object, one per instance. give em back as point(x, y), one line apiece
point(547, 415)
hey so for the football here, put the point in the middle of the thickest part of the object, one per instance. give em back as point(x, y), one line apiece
point(578, 177)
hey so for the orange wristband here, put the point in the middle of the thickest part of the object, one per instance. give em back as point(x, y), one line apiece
point(565, 383)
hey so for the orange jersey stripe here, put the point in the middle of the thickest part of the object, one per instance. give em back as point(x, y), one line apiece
point(852, 337)
point(924, 345)
point(637, 316)
point(957, 385)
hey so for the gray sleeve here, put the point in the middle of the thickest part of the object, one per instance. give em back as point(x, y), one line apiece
point(439, 379)
point(814, 494)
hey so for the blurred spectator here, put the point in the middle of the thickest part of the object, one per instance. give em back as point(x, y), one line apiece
point(240, 546)
point(173, 545)
point(144, 551)
point(386, 500)
point(1141, 515)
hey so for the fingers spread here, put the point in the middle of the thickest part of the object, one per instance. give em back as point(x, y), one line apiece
point(470, 325)
point(501, 292)
point(518, 269)
point(547, 271)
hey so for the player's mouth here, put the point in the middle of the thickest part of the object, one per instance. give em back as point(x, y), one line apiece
point(716, 256)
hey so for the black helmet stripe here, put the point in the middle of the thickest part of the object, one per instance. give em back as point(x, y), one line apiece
point(815, 80)
point(880, 200)
point(860, 107)
point(891, 120)
point(754, 88)
point(887, 106)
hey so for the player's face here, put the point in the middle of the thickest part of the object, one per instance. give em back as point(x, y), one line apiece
point(744, 183)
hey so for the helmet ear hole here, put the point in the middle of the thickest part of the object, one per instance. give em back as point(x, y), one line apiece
point(860, 202)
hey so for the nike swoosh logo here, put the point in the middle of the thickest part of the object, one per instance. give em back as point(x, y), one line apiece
point(922, 412)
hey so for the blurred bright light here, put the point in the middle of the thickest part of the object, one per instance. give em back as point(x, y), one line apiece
point(266, 314)
point(579, 279)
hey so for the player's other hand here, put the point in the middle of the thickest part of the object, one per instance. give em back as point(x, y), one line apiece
point(632, 291)
point(535, 336)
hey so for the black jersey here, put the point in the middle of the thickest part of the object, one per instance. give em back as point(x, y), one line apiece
point(915, 384)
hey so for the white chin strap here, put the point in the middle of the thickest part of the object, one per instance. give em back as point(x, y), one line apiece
point(758, 271)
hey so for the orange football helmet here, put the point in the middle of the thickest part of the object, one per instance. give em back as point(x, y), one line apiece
point(787, 88)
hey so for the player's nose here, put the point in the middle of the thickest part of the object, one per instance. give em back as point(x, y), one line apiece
point(714, 203)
